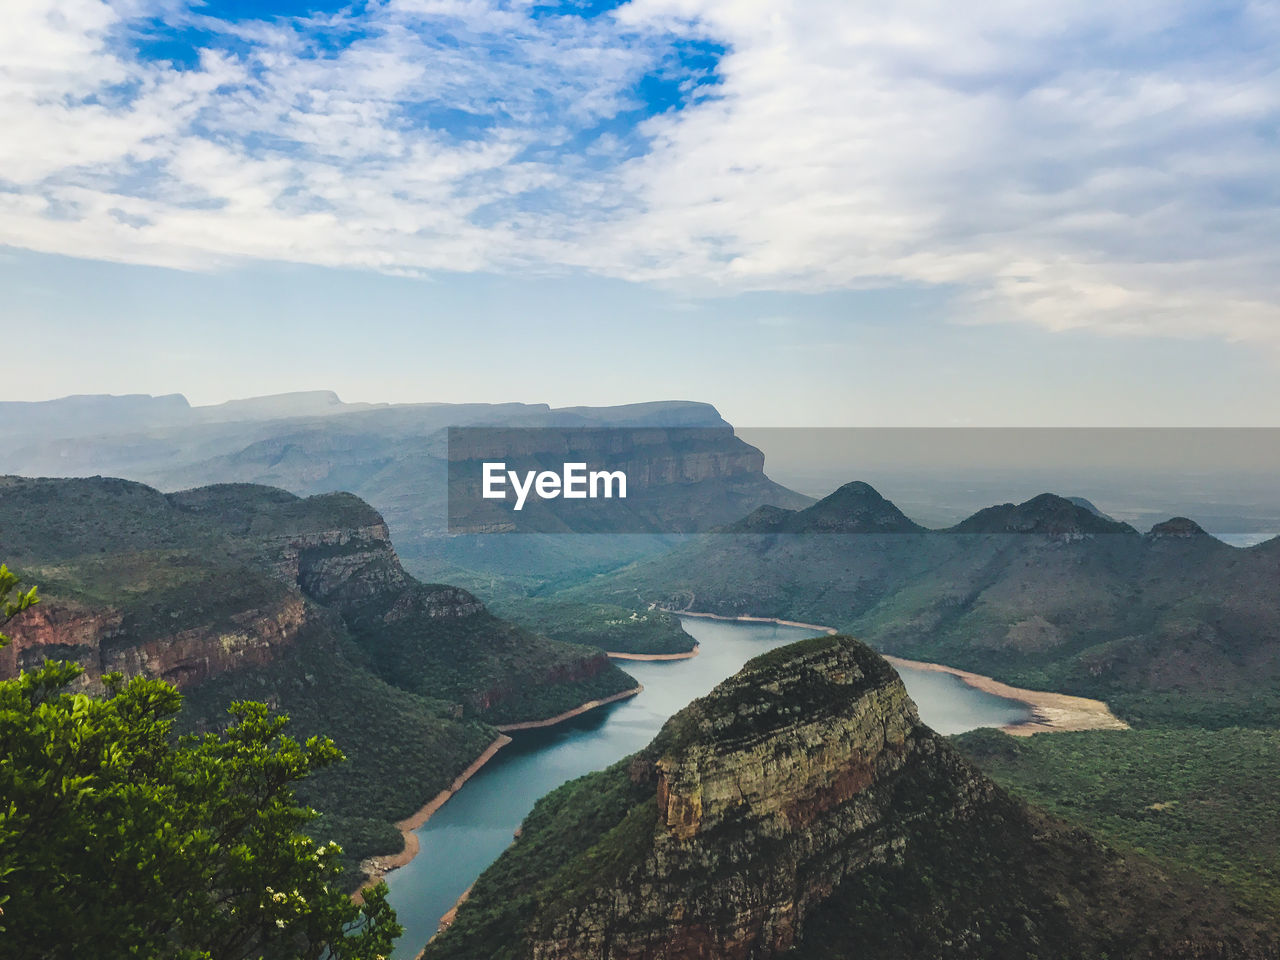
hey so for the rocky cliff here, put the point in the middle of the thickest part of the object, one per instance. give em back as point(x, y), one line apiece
point(799, 810)
point(192, 585)
point(240, 591)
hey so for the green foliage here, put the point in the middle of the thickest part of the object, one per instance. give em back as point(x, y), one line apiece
point(573, 838)
point(401, 749)
point(407, 697)
point(607, 626)
point(1203, 800)
point(118, 841)
point(500, 672)
point(10, 608)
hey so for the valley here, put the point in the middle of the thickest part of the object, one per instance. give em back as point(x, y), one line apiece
point(467, 675)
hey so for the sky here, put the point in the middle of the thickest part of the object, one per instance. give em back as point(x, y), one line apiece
point(1059, 212)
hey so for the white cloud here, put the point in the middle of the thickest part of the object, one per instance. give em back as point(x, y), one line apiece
point(1073, 165)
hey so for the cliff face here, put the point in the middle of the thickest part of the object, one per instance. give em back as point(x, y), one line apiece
point(767, 793)
point(802, 810)
point(197, 646)
point(677, 479)
point(190, 586)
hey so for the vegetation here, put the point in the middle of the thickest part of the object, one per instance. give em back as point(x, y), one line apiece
point(407, 694)
point(12, 600)
point(401, 749)
point(498, 671)
point(1171, 629)
point(1196, 799)
point(117, 841)
point(570, 841)
point(607, 626)
point(1014, 884)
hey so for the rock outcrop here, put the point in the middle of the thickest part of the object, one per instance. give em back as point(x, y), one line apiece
point(797, 811)
point(190, 586)
point(767, 793)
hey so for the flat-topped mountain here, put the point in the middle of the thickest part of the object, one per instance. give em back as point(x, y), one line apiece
point(395, 457)
point(801, 810)
point(239, 591)
point(1173, 625)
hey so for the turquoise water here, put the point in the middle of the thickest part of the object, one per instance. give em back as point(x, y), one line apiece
point(476, 825)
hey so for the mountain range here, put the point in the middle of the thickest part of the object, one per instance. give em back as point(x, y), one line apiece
point(396, 458)
point(1171, 625)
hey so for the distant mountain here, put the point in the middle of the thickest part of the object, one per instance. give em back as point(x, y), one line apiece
point(108, 415)
point(854, 508)
point(89, 414)
point(249, 592)
point(1046, 514)
point(1090, 506)
point(801, 810)
point(395, 457)
point(1170, 626)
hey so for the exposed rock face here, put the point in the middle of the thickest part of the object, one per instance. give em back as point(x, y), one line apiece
point(679, 479)
point(198, 641)
point(193, 585)
point(354, 568)
point(101, 641)
point(767, 793)
point(802, 810)
point(53, 630)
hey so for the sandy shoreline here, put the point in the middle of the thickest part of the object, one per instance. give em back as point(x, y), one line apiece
point(451, 914)
point(568, 714)
point(1049, 711)
point(688, 655)
point(746, 619)
point(375, 868)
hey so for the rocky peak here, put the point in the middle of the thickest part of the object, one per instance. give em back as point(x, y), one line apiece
point(856, 507)
point(747, 809)
point(1176, 528)
point(1047, 514)
point(798, 805)
point(787, 738)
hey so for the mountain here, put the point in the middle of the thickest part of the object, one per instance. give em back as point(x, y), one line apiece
point(802, 810)
point(1173, 626)
point(106, 415)
point(1046, 514)
point(1090, 506)
point(396, 457)
point(854, 508)
point(241, 591)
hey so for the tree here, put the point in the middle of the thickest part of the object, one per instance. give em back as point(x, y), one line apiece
point(10, 608)
point(119, 840)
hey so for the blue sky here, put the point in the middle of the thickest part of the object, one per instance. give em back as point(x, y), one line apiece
point(818, 212)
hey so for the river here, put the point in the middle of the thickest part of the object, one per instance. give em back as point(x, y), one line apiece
point(476, 825)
